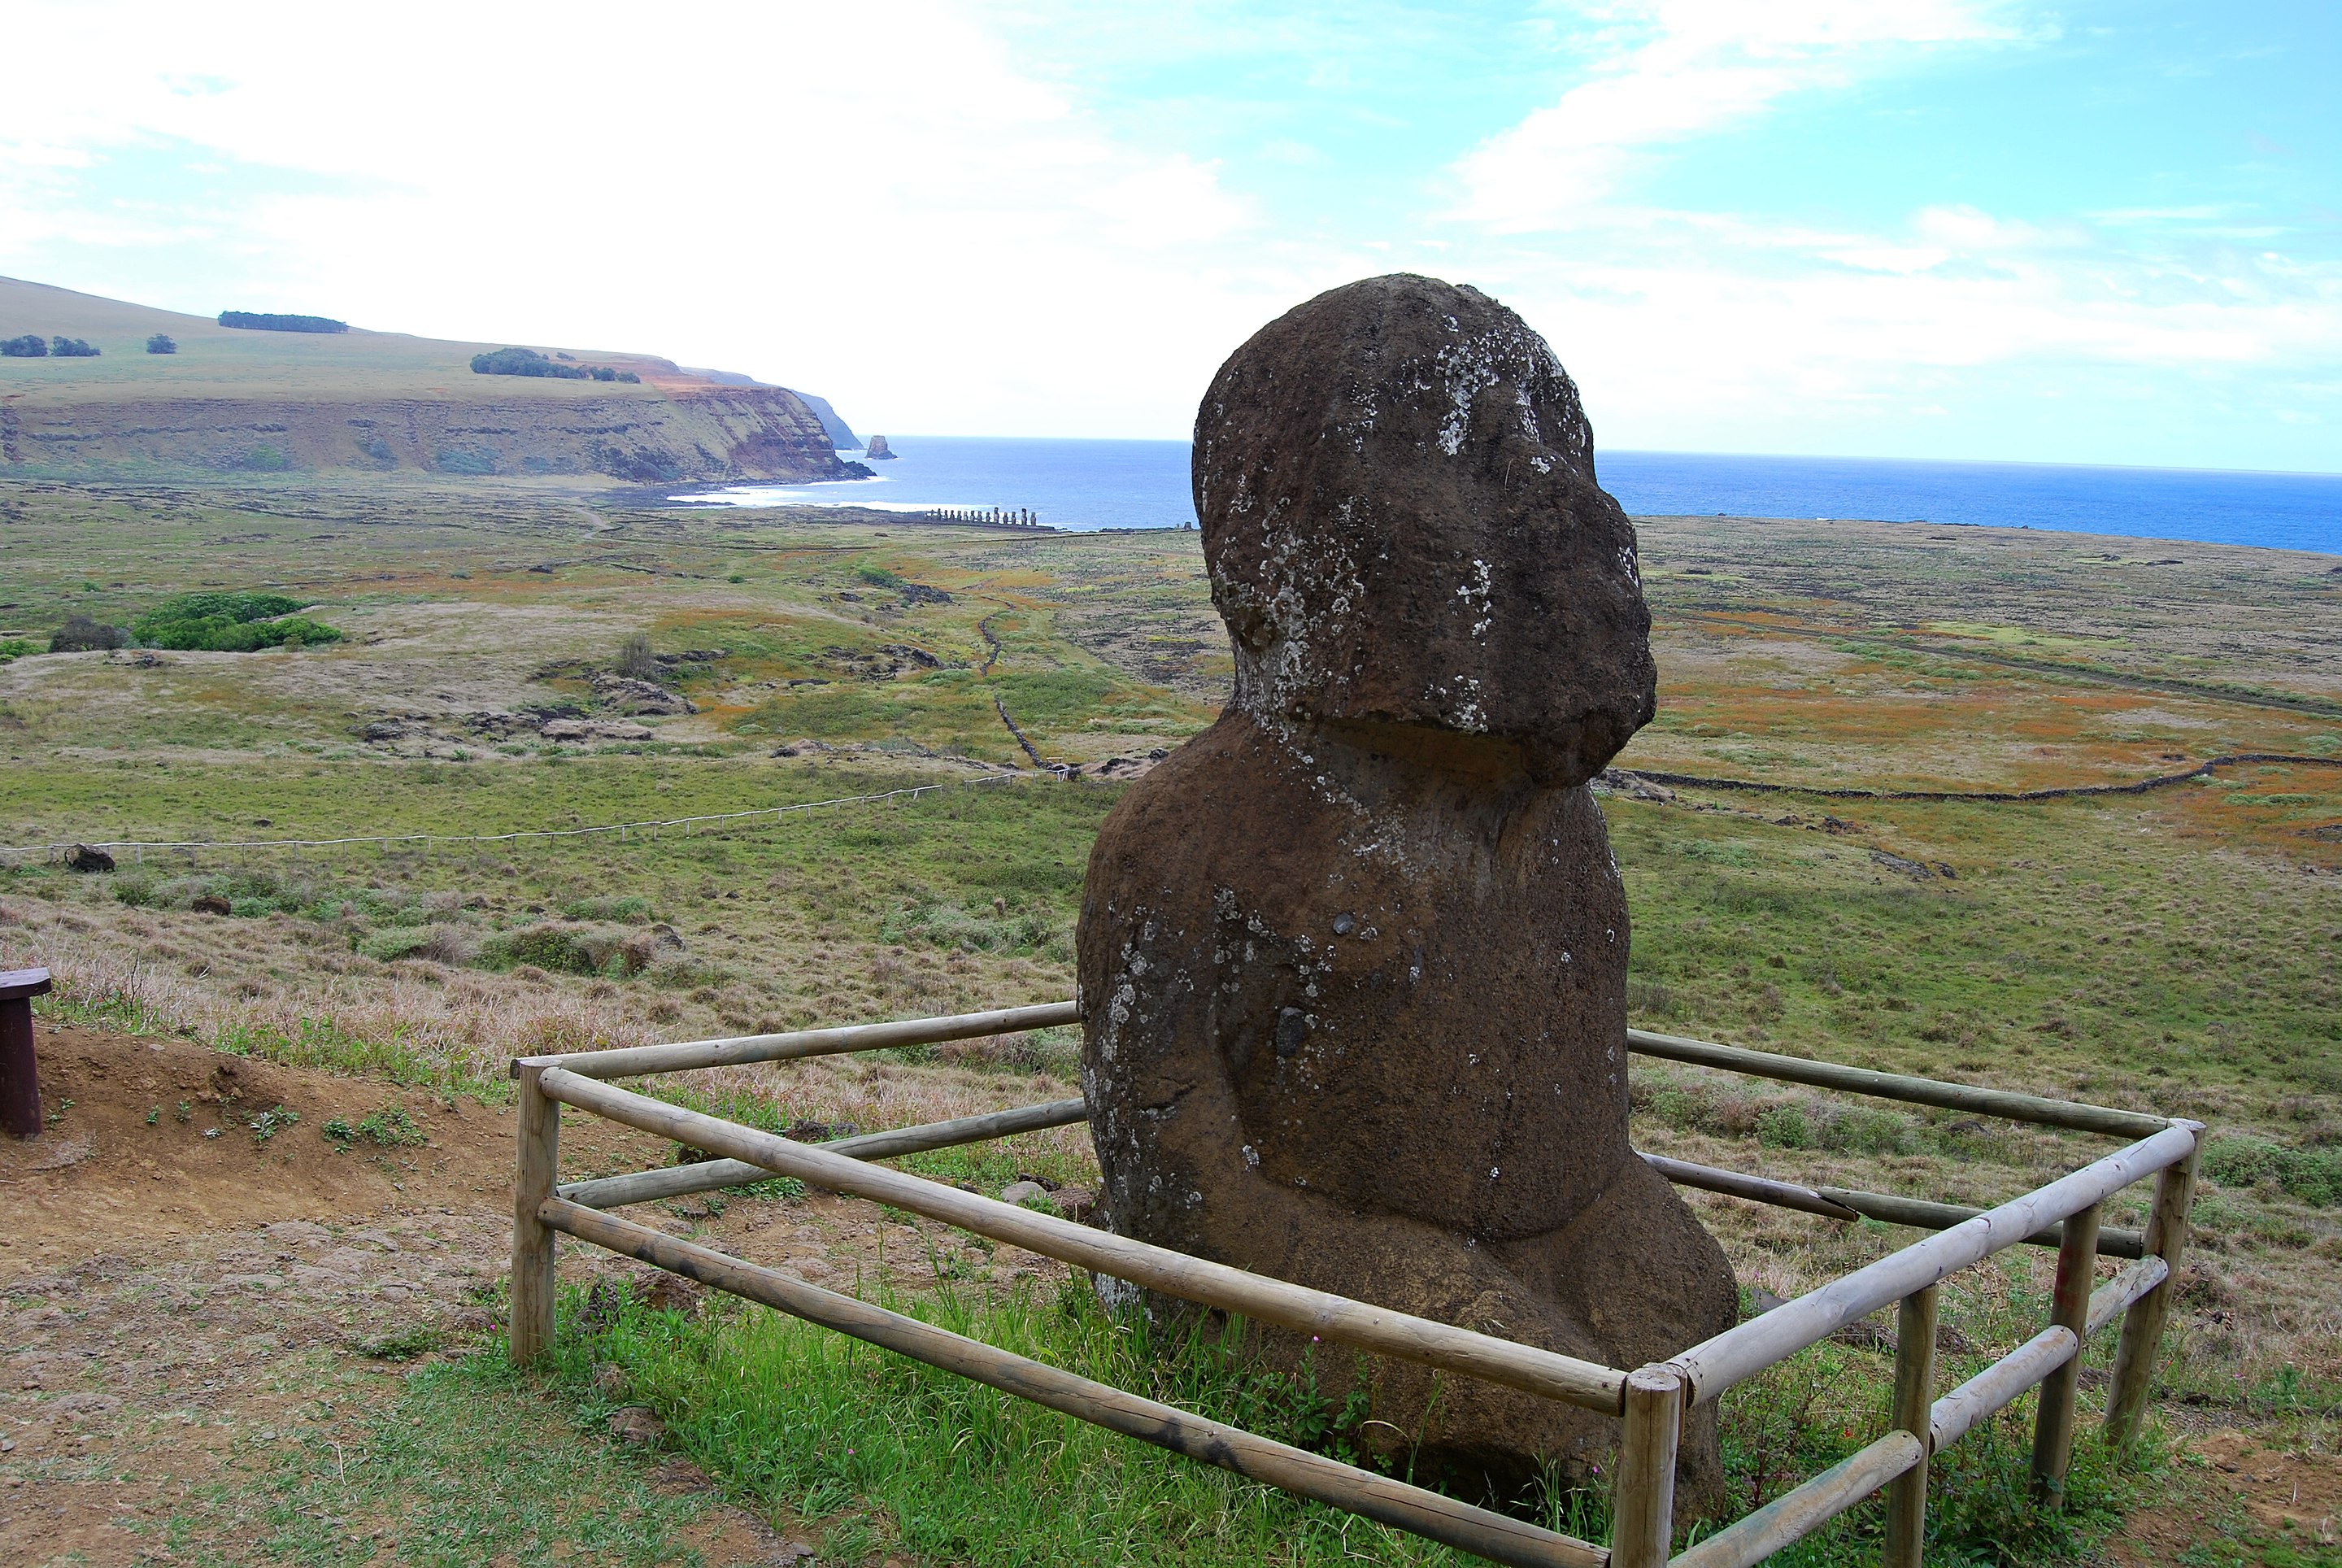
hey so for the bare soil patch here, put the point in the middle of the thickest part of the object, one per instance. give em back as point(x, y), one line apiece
point(179, 1311)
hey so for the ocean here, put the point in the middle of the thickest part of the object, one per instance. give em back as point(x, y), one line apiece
point(1093, 484)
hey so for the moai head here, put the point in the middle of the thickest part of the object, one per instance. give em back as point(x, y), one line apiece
point(1403, 528)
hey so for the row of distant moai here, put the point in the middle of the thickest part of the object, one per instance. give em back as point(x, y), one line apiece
point(1000, 517)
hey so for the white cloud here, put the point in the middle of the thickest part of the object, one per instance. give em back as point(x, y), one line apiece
point(878, 206)
point(1675, 69)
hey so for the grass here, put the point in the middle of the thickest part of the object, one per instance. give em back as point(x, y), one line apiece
point(878, 1453)
point(466, 1464)
point(2173, 952)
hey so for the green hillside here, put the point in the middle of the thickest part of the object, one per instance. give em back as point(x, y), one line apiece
point(233, 400)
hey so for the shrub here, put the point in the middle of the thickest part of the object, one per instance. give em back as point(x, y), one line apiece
point(2312, 1175)
point(269, 321)
point(464, 460)
point(945, 925)
point(1784, 1127)
point(14, 648)
point(577, 949)
point(636, 660)
point(450, 945)
point(72, 348)
point(229, 623)
point(389, 1128)
point(628, 908)
point(524, 362)
point(80, 634)
point(2238, 1162)
point(161, 343)
point(32, 345)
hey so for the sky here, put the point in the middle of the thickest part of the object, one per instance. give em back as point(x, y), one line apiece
point(2089, 232)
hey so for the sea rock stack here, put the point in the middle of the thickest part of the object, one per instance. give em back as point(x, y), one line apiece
point(878, 449)
point(1353, 962)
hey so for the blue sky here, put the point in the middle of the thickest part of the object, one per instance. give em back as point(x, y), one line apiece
point(1954, 228)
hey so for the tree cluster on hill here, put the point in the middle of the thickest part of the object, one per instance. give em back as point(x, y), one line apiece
point(229, 623)
point(269, 321)
point(30, 346)
point(81, 634)
point(529, 362)
point(161, 343)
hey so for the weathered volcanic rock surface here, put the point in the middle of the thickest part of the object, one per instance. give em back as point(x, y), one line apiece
point(1353, 962)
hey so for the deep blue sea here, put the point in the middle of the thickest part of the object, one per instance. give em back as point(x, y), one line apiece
point(1089, 485)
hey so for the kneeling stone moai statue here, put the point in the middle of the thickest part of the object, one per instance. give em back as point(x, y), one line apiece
point(1353, 962)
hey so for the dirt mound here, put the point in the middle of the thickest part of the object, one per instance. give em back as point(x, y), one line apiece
point(156, 1137)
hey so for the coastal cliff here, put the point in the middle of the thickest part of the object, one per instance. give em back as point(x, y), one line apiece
point(236, 401)
point(642, 435)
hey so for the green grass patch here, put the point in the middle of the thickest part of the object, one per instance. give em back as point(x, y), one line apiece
point(468, 1463)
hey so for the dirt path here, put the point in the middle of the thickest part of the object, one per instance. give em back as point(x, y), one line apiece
point(185, 1301)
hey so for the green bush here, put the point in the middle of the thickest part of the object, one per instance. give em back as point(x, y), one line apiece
point(524, 362)
point(437, 943)
point(2240, 1162)
point(81, 634)
point(72, 348)
point(628, 908)
point(271, 321)
point(30, 345)
point(636, 660)
point(947, 925)
point(389, 1128)
point(2312, 1175)
point(580, 950)
point(1784, 1127)
point(161, 343)
point(14, 648)
point(229, 623)
point(464, 460)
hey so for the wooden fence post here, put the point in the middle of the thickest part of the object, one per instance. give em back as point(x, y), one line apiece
point(1643, 1494)
point(534, 1171)
point(2142, 1328)
point(2069, 1308)
point(20, 1075)
point(1915, 1396)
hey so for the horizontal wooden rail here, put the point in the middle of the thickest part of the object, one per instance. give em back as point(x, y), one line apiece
point(1258, 1296)
point(1256, 1458)
point(708, 1175)
point(1830, 1202)
point(1797, 1513)
point(1999, 1102)
point(1756, 1189)
point(1716, 1365)
point(1954, 1415)
point(1922, 1215)
point(682, 1055)
point(2111, 1300)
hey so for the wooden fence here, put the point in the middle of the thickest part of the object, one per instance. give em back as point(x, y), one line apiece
point(1651, 1402)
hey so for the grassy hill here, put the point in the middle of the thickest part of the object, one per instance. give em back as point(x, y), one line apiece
point(232, 400)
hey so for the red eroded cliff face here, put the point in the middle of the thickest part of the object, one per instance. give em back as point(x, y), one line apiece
point(683, 434)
